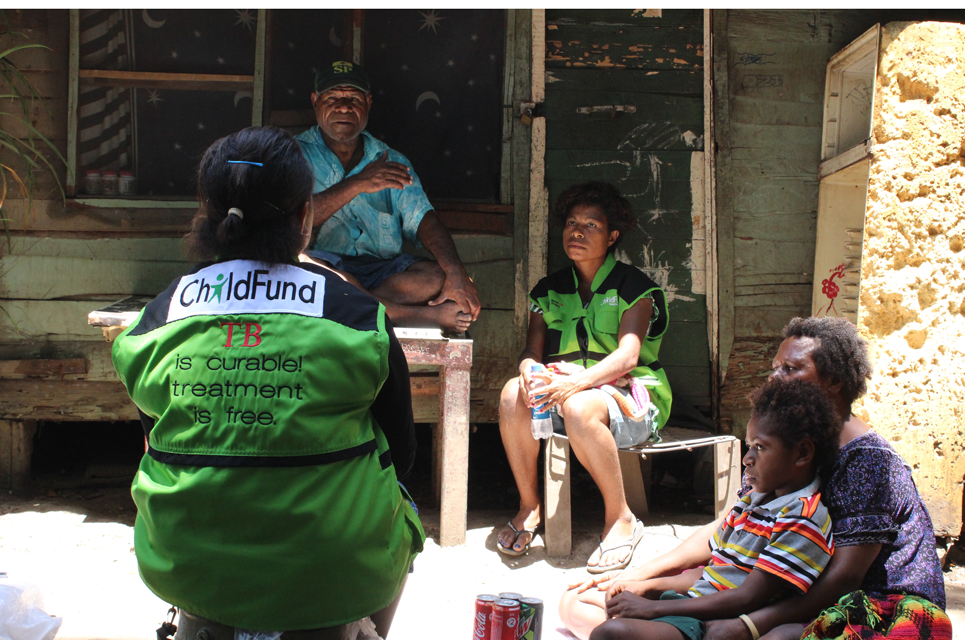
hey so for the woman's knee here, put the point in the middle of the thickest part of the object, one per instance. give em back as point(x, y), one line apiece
point(583, 409)
point(510, 403)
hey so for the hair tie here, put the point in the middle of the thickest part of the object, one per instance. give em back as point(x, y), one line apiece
point(235, 211)
point(257, 164)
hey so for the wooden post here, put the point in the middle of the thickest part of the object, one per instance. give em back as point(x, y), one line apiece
point(559, 526)
point(634, 488)
point(454, 425)
point(727, 475)
point(16, 447)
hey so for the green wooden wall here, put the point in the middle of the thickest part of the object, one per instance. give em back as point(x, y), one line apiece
point(769, 101)
point(631, 57)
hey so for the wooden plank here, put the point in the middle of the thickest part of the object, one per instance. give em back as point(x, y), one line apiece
point(96, 357)
point(16, 446)
point(723, 195)
point(774, 279)
point(258, 81)
point(558, 526)
point(498, 224)
point(661, 81)
point(454, 423)
point(522, 155)
point(778, 139)
point(73, 87)
point(649, 107)
point(762, 255)
point(638, 47)
point(757, 322)
point(775, 195)
point(750, 163)
point(767, 225)
point(63, 369)
point(48, 84)
point(51, 277)
point(774, 112)
point(652, 135)
point(835, 27)
point(65, 400)
point(653, 199)
point(42, 319)
point(169, 81)
point(685, 344)
point(622, 17)
point(147, 249)
point(783, 298)
point(508, 114)
point(538, 194)
point(569, 166)
point(691, 384)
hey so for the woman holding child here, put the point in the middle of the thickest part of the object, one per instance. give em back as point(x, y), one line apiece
point(608, 319)
point(884, 573)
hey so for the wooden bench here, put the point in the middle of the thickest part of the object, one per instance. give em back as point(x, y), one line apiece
point(558, 528)
point(450, 445)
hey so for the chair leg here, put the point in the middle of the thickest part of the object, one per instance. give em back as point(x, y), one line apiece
point(727, 475)
point(558, 526)
point(633, 484)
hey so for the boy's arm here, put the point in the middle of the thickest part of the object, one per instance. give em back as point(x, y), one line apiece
point(757, 589)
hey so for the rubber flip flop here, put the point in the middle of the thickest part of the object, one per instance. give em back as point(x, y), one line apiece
point(631, 543)
point(510, 551)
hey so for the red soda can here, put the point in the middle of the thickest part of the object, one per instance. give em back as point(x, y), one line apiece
point(505, 620)
point(482, 624)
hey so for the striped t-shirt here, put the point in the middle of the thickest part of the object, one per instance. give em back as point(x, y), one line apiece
point(789, 537)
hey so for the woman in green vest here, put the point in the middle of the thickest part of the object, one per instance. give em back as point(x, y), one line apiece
point(608, 318)
point(275, 400)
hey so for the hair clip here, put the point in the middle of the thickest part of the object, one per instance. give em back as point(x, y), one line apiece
point(257, 164)
point(235, 211)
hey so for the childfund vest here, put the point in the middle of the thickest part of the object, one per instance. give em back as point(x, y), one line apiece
point(267, 499)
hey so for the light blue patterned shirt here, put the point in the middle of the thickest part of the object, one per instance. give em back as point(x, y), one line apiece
point(372, 224)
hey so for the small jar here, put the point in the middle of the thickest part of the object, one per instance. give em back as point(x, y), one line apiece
point(127, 183)
point(109, 183)
point(92, 182)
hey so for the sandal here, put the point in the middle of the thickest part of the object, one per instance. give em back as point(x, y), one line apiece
point(510, 551)
point(631, 544)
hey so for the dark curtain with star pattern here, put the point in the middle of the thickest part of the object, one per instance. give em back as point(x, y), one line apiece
point(436, 75)
point(437, 78)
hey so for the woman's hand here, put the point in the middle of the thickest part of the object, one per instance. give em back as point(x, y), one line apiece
point(527, 377)
point(601, 581)
point(558, 389)
point(630, 605)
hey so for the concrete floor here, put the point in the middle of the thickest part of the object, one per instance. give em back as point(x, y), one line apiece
point(77, 547)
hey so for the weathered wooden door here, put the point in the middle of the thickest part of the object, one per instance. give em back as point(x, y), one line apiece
point(625, 103)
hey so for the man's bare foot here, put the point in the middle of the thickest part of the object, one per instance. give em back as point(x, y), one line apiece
point(525, 519)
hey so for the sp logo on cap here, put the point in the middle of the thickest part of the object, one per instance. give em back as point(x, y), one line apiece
point(342, 67)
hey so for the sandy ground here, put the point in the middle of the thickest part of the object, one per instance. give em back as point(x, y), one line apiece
point(78, 549)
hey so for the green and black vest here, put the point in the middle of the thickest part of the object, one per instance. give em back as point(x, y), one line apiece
point(267, 499)
point(586, 335)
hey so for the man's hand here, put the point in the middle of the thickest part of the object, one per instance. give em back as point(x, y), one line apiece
point(459, 288)
point(630, 605)
point(382, 174)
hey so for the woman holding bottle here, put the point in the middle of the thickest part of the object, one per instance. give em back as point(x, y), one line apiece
point(603, 321)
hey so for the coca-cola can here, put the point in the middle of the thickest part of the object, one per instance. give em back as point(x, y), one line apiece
point(530, 619)
point(505, 620)
point(482, 624)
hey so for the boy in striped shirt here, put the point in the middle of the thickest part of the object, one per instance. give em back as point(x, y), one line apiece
point(775, 541)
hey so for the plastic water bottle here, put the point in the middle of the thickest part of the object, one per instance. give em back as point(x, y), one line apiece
point(542, 425)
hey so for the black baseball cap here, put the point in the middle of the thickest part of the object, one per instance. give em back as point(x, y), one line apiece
point(342, 74)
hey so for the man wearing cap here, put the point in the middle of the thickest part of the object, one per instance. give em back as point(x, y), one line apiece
point(367, 199)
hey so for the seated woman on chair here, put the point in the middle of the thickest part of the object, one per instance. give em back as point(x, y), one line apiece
point(609, 318)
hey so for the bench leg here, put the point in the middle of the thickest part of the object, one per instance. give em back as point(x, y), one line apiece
point(454, 428)
point(437, 463)
point(633, 483)
point(16, 447)
point(727, 475)
point(558, 525)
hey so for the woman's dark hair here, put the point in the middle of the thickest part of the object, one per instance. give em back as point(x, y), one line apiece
point(616, 208)
point(270, 196)
point(796, 410)
point(840, 355)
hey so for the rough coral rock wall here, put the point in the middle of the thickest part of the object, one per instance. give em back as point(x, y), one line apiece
point(912, 301)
